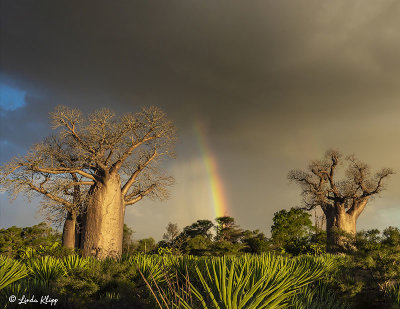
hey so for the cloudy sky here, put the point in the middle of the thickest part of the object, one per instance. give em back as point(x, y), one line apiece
point(274, 83)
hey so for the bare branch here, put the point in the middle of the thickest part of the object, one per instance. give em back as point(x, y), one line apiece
point(68, 118)
point(379, 178)
point(150, 125)
point(50, 195)
point(140, 195)
point(81, 183)
point(63, 171)
point(334, 156)
point(117, 165)
point(140, 168)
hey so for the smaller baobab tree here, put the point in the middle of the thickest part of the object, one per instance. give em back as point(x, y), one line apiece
point(67, 215)
point(61, 199)
point(343, 200)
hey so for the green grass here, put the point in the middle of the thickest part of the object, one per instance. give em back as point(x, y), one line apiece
point(166, 281)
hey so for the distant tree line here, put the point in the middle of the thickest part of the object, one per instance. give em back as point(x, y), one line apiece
point(292, 232)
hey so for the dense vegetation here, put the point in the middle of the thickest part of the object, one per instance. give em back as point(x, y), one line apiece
point(207, 265)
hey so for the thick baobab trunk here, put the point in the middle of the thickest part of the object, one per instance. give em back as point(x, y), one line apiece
point(104, 220)
point(340, 228)
point(68, 236)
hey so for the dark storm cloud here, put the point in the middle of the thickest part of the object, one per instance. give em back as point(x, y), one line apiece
point(204, 55)
point(275, 82)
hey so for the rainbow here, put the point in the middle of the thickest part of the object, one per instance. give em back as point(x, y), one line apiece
point(216, 185)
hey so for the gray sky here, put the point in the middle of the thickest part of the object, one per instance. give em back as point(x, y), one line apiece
point(275, 83)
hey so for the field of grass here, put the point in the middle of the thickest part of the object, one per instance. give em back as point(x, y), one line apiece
point(154, 281)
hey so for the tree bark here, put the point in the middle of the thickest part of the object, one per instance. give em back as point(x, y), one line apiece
point(104, 220)
point(340, 228)
point(80, 224)
point(68, 236)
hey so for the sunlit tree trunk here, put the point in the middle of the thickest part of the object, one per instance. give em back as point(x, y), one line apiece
point(68, 237)
point(69, 231)
point(103, 230)
point(340, 228)
point(341, 225)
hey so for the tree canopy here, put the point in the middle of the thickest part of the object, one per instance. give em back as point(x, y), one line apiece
point(86, 149)
point(291, 225)
point(320, 186)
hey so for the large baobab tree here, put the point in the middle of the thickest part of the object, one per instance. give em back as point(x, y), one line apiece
point(342, 201)
point(114, 160)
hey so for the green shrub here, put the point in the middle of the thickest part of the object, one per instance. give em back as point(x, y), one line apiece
point(11, 271)
point(317, 296)
point(265, 281)
point(46, 269)
point(74, 262)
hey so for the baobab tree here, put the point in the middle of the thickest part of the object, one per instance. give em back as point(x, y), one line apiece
point(67, 215)
point(113, 159)
point(342, 201)
point(62, 201)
